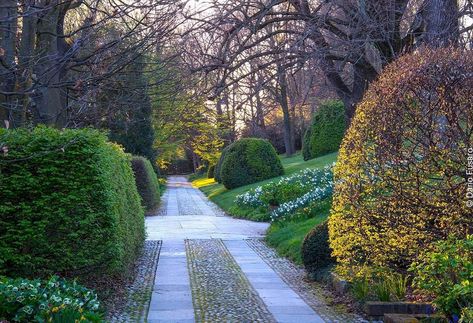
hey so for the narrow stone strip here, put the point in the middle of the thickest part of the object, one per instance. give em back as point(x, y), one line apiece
point(295, 277)
point(220, 290)
point(138, 292)
point(172, 208)
point(171, 299)
point(285, 304)
point(163, 204)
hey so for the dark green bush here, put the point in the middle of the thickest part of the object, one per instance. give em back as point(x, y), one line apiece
point(68, 204)
point(146, 182)
point(327, 130)
point(316, 252)
point(218, 167)
point(52, 300)
point(211, 171)
point(249, 160)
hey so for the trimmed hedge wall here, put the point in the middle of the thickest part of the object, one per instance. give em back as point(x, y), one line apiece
point(146, 182)
point(211, 171)
point(249, 160)
point(316, 252)
point(68, 204)
point(218, 167)
point(327, 130)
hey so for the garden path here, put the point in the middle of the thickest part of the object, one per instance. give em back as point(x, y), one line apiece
point(209, 269)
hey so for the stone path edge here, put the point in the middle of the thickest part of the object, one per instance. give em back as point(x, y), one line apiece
point(293, 275)
point(144, 313)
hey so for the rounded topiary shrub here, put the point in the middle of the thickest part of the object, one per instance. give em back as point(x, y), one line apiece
point(68, 205)
point(316, 252)
point(211, 171)
point(401, 176)
point(249, 160)
point(218, 166)
point(327, 130)
point(146, 182)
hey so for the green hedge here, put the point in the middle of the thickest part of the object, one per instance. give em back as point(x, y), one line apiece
point(146, 182)
point(68, 204)
point(211, 171)
point(327, 130)
point(218, 167)
point(249, 160)
point(316, 252)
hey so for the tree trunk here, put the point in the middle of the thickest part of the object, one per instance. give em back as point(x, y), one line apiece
point(282, 98)
point(25, 62)
point(363, 75)
point(259, 112)
point(49, 102)
point(441, 22)
point(8, 32)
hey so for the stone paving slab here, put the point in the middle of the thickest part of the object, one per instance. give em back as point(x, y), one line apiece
point(281, 300)
point(181, 227)
point(294, 277)
point(171, 300)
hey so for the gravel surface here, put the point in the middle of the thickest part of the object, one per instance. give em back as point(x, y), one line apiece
point(220, 290)
point(134, 306)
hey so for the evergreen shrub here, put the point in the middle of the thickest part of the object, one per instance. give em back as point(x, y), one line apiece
point(249, 160)
point(68, 204)
point(327, 130)
point(146, 182)
point(316, 252)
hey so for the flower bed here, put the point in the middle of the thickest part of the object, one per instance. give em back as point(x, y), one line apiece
point(53, 300)
point(290, 193)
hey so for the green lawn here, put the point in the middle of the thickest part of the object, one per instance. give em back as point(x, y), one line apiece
point(285, 236)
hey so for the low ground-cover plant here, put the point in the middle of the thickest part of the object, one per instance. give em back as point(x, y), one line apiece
point(379, 285)
point(53, 300)
point(447, 272)
point(68, 205)
point(146, 182)
point(290, 193)
point(249, 160)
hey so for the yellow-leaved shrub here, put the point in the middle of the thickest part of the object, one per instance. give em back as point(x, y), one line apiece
point(401, 178)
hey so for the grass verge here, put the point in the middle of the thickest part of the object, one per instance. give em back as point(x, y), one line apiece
point(286, 236)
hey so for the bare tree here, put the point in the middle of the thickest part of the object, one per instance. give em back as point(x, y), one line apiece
point(350, 41)
point(57, 54)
